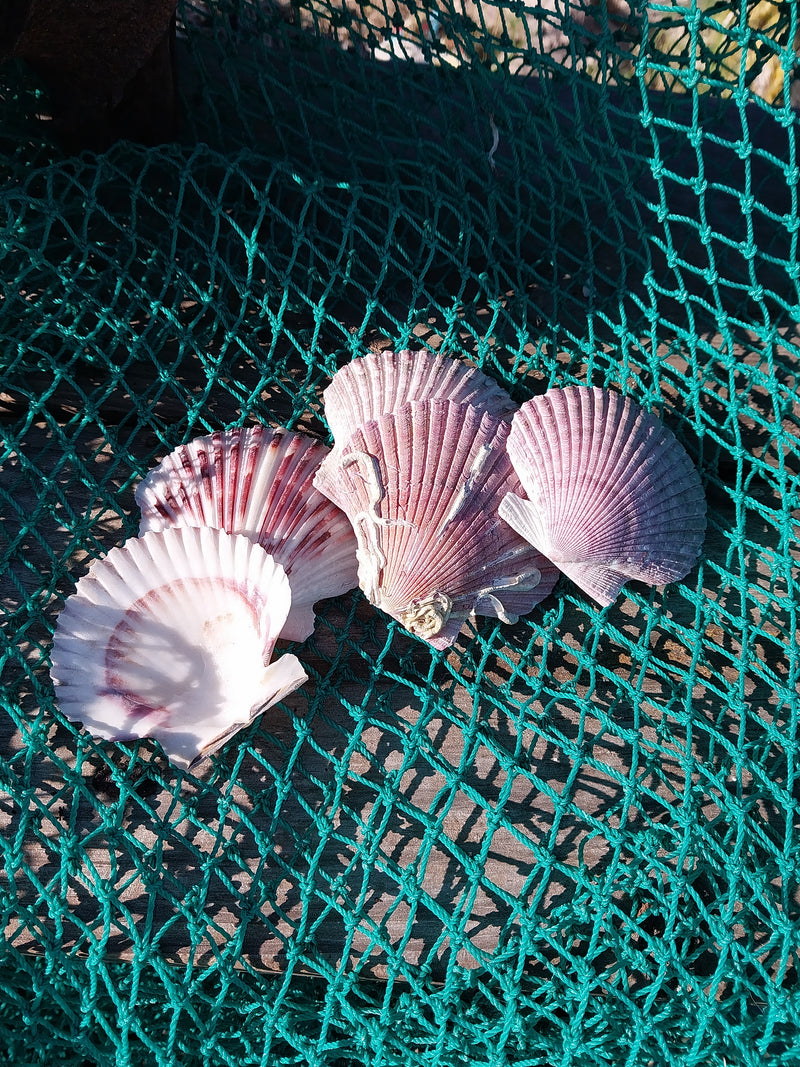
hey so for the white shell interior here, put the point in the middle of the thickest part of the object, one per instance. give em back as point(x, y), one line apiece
point(170, 636)
point(258, 481)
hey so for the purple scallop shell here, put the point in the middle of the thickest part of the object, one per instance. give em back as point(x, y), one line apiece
point(421, 486)
point(258, 481)
point(380, 382)
point(611, 493)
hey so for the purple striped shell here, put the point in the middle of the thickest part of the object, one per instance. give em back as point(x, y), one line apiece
point(258, 481)
point(609, 492)
point(421, 486)
point(380, 382)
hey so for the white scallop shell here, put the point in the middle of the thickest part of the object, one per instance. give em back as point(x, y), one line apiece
point(421, 486)
point(380, 382)
point(170, 636)
point(258, 481)
point(612, 494)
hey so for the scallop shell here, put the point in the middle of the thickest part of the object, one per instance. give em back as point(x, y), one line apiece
point(258, 481)
point(421, 486)
point(612, 494)
point(381, 382)
point(170, 636)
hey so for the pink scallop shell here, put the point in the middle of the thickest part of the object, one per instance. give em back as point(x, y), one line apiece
point(380, 382)
point(170, 636)
point(612, 494)
point(421, 486)
point(258, 481)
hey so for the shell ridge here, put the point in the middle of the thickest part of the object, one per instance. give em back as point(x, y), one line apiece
point(598, 408)
point(259, 481)
point(669, 512)
point(227, 461)
point(468, 487)
point(532, 463)
point(576, 442)
point(448, 551)
point(292, 499)
point(487, 479)
point(379, 382)
point(414, 422)
point(211, 466)
point(584, 451)
point(451, 445)
point(257, 471)
point(275, 491)
point(613, 494)
point(443, 472)
point(403, 477)
point(553, 456)
point(278, 460)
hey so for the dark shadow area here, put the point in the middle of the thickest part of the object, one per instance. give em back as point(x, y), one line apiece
point(411, 186)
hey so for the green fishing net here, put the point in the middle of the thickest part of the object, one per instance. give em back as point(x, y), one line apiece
point(568, 841)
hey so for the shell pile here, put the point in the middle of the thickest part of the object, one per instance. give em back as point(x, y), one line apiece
point(172, 634)
point(440, 498)
point(419, 465)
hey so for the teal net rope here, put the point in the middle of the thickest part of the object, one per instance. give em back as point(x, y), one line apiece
point(572, 840)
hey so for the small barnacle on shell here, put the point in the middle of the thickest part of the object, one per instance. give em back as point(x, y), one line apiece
point(428, 619)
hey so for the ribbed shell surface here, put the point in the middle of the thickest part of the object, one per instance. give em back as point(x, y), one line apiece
point(380, 382)
point(611, 493)
point(258, 481)
point(421, 487)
